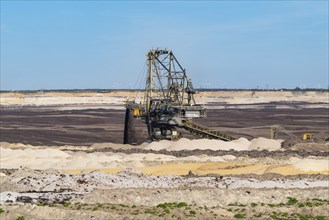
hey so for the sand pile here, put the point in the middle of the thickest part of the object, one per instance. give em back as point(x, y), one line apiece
point(156, 164)
point(204, 144)
point(39, 153)
point(116, 146)
point(29, 146)
point(265, 144)
point(161, 145)
point(240, 144)
point(58, 159)
point(201, 144)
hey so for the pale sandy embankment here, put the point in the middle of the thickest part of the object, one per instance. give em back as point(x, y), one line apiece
point(119, 98)
point(14, 156)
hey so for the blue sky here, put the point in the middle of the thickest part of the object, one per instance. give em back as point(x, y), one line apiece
point(222, 44)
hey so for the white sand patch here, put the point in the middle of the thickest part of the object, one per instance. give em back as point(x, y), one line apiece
point(229, 157)
point(33, 153)
point(57, 159)
point(312, 164)
point(203, 159)
point(28, 146)
point(200, 144)
point(206, 144)
point(265, 144)
point(293, 160)
point(242, 141)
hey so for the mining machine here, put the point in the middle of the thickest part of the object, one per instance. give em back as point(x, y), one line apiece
point(168, 104)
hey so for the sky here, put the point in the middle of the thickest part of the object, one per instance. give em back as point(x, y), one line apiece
point(221, 44)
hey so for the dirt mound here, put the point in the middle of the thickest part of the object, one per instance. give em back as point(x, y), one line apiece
point(324, 147)
point(241, 144)
point(265, 144)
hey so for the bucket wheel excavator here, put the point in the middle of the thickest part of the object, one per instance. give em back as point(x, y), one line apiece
point(168, 104)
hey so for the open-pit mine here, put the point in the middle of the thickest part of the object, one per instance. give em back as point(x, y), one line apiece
point(62, 155)
point(138, 154)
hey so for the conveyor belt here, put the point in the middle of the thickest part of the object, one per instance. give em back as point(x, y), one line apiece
point(205, 132)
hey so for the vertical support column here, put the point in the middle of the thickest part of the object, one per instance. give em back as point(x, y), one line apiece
point(126, 128)
point(169, 76)
point(149, 93)
point(273, 131)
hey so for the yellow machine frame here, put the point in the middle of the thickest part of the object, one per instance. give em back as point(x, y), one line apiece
point(308, 136)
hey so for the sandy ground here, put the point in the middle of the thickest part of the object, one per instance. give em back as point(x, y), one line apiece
point(35, 157)
point(37, 181)
point(267, 207)
point(132, 194)
point(115, 98)
point(56, 161)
